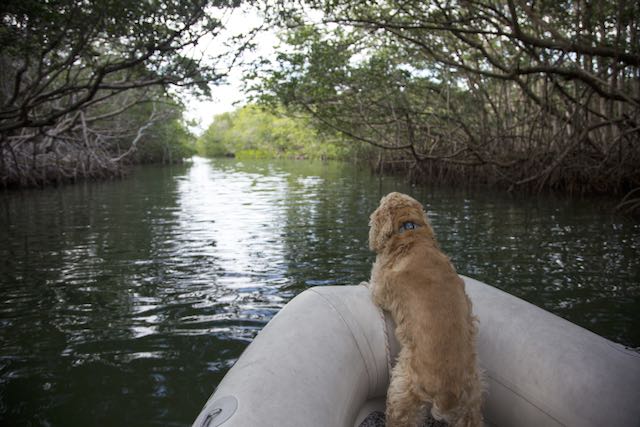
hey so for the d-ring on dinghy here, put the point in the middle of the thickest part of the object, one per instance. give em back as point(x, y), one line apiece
point(324, 361)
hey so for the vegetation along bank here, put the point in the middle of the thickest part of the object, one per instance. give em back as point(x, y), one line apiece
point(88, 87)
point(527, 96)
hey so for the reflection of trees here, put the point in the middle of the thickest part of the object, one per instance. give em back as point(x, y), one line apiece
point(327, 208)
point(91, 243)
point(79, 263)
point(559, 255)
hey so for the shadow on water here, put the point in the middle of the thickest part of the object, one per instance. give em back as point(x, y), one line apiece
point(126, 302)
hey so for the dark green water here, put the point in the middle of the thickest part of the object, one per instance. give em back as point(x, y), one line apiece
point(124, 303)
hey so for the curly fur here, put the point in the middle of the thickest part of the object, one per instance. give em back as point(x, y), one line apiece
point(418, 285)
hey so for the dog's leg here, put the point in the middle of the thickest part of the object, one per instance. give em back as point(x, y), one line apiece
point(472, 416)
point(404, 406)
point(381, 290)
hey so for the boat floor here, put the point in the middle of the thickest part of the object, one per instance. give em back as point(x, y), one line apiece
point(376, 419)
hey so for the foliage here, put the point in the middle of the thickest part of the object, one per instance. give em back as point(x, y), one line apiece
point(57, 55)
point(138, 126)
point(167, 141)
point(253, 132)
point(524, 94)
point(85, 85)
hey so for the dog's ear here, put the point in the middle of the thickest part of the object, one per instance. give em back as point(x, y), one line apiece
point(381, 228)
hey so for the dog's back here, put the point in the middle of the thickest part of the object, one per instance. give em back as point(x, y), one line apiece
point(415, 281)
point(434, 321)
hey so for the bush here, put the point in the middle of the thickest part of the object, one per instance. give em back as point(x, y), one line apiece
point(253, 132)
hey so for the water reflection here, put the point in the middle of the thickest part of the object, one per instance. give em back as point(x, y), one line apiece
point(126, 302)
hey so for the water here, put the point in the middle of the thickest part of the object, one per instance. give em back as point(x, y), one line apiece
point(124, 303)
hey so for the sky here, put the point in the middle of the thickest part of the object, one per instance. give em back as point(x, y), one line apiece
point(224, 96)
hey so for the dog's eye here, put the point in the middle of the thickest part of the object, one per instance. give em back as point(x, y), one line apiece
point(408, 226)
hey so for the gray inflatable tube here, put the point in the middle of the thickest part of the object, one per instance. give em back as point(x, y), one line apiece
point(324, 361)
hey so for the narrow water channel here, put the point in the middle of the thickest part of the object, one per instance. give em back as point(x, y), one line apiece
point(124, 303)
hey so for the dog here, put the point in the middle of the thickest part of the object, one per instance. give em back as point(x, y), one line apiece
point(416, 283)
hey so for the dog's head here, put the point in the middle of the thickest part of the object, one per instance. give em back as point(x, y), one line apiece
point(398, 216)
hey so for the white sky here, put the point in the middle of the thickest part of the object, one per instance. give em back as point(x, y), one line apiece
point(224, 96)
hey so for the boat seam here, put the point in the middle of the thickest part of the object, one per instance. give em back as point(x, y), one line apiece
point(513, 388)
point(387, 347)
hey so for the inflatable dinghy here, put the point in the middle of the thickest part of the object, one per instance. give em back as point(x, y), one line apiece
point(324, 360)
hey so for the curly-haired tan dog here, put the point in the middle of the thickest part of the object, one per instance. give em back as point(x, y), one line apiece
point(416, 283)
